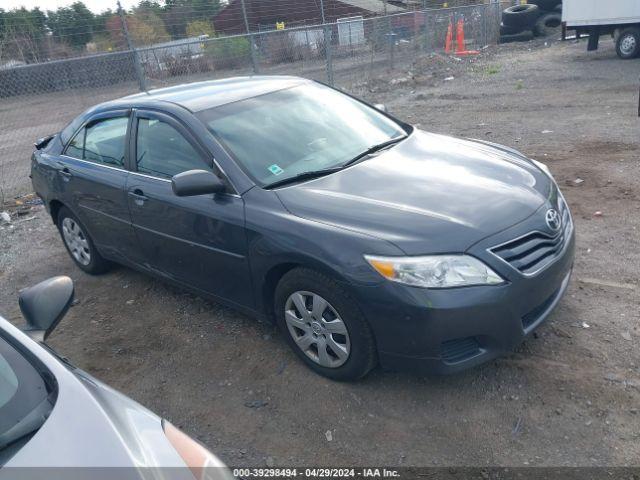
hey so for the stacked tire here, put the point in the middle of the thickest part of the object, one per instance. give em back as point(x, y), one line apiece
point(538, 17)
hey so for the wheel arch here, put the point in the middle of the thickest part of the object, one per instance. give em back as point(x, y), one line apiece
point(54, 208)
point(275, 272)
point(56, 205)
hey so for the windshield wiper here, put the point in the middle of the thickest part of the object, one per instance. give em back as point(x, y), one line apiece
point(374, 149)
point(326, 171)
point(304, 176)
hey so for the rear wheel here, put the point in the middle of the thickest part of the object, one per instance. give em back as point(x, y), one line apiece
point(323, 325)
point(628, 43)
point(79, 244)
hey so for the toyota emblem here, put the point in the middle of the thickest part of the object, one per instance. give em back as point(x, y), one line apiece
point(553, 219)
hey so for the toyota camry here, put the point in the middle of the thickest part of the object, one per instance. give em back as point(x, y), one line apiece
point(367, 240)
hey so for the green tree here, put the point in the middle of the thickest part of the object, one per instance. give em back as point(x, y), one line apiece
point(200, 27)
point(204, 9)
point(146, 27)
point(72, 25)
point(100, 21)
point(22, 34)
point(177, 14)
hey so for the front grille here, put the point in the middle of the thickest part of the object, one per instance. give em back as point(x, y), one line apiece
point(534, 251)
point(454, 351)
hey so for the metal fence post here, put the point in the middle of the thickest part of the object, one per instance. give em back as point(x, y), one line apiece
point(252, 41)
point(136, 58)
point(327, 44)
point(390, 36)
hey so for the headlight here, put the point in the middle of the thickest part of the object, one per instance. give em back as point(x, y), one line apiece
point(435, 271)
point(202, 463)
point(542, 167)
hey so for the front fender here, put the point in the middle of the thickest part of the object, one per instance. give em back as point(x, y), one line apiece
point(278, 238)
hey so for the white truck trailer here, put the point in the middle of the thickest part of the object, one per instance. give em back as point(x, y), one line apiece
point(619, 18)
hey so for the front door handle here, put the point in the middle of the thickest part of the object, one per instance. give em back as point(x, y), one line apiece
point(138, 196)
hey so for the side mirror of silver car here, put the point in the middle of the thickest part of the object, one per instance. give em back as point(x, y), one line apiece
point(196, 182)
point(381, 106)
point(44, 305)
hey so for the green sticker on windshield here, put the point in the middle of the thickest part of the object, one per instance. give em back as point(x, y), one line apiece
point(275, 169)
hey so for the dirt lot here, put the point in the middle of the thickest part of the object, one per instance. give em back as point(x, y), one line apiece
point(569, 396)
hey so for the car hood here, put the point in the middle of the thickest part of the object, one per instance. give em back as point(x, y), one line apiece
point(428, 194)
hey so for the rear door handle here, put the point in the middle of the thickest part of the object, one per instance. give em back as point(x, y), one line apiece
point(138, 196)
point(65, 173)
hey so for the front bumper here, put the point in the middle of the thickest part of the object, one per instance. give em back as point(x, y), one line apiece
point(449, 330)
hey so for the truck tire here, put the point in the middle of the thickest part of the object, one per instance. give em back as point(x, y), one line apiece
point(546, 5)
point(521, 16)
point(547, 24)
point(628, 43)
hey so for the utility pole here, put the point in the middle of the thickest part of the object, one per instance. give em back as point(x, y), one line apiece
point(327, 44)
point(252, 43)
point(134, 52)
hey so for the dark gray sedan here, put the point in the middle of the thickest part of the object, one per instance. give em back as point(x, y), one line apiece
point(367, 240)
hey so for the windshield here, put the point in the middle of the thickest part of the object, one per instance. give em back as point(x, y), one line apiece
point(23, 396)
point(302, 129)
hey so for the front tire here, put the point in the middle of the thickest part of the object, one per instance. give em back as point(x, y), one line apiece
point(324, 326)
point(79, 244)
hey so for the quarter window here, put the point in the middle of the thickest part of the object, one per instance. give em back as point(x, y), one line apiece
point(162, 151)
point(102, 142)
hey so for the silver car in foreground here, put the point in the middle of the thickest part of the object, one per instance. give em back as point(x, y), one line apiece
point(56, 416)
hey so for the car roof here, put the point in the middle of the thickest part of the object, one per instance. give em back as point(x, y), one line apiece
point(209, 94)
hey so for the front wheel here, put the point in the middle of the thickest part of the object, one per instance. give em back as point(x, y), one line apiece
point(628, 43)
point(323, 325)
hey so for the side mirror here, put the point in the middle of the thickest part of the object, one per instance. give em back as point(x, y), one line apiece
point(380, 106)
point(196, 182)
point(44, 305)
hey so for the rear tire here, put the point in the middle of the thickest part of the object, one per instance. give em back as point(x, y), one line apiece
point(79, 244)
point(628, 43)
point(303, 324)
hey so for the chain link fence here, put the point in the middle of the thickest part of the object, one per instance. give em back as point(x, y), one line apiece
point(39, 99)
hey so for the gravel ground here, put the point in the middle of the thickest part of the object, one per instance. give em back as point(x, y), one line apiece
point(569, 396)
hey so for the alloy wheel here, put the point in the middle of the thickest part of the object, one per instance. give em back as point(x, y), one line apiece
point(76, 241)
point(317, 329)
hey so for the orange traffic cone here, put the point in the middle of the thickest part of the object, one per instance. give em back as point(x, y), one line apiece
point(460, 46)
point(449, 41)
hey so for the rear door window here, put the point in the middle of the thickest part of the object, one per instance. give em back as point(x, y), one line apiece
point(102, 141)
